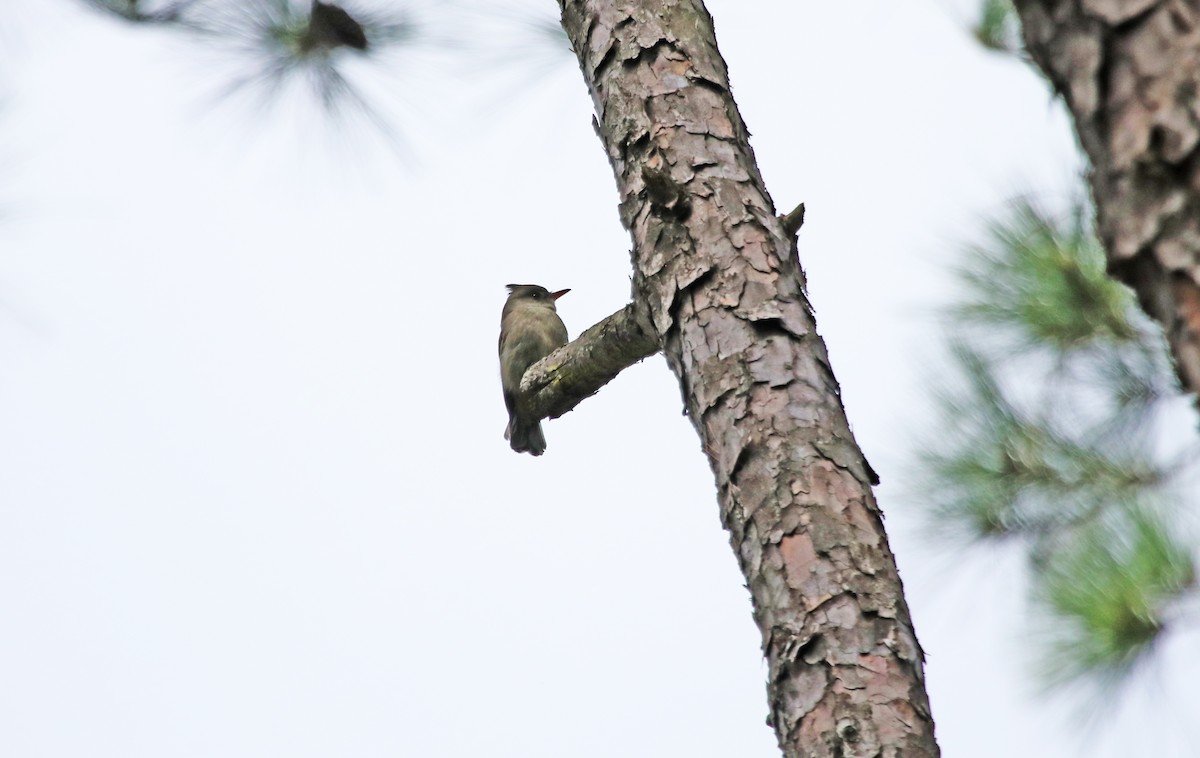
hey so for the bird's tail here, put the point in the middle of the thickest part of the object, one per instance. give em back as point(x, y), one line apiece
point(525, 437)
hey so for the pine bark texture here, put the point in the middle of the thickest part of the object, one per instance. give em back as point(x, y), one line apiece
point(1130, 73)
point(725, 293)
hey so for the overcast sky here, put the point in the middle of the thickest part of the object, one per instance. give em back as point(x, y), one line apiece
point(255, 498)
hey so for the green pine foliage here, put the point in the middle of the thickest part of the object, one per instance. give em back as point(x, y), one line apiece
point(1047, 281)
point(1111, 590)
point(1051, 438)
point(997, 28)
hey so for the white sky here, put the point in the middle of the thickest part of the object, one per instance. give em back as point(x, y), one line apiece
point(255, 499)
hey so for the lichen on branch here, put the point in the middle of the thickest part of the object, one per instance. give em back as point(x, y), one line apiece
point(560, 381)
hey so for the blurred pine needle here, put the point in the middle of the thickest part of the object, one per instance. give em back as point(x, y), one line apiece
point(1049, 439)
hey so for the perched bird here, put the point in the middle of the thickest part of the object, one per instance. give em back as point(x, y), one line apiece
point(530, 329)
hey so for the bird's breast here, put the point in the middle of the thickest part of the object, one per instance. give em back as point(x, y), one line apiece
point(529, 334)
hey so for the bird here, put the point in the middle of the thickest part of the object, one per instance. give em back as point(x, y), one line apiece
point(530, 329)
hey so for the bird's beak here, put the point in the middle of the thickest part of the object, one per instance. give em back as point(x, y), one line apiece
point(557, 295)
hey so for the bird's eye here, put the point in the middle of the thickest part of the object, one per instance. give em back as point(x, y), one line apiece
point(536, 295)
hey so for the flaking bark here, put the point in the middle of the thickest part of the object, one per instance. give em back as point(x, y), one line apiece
point(718, 274)
point(1129, 71)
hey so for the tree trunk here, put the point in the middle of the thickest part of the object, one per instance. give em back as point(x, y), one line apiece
point(719, 278)
point(1130, 73)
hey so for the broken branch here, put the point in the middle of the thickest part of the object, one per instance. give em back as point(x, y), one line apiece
point(560, 381)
